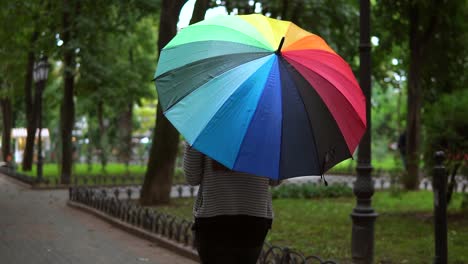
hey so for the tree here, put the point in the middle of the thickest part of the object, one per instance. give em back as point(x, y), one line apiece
point(7, 116)
point(445, 124)
point(199, 11)
point(71, 10)
point(113, 74)
point(14, 39)
point(87, 26)
point(418, 44)
point(85, 40)
point(420, 26)
point(31, 116)
point(158, 178)
point(34, 28)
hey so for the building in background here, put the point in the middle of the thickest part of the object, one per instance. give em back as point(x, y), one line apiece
point(18, 135)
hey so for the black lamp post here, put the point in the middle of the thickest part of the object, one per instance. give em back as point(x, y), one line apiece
point(363, 215)
point(40, 74)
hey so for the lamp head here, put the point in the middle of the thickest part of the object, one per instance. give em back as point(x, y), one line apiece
point(41, 70)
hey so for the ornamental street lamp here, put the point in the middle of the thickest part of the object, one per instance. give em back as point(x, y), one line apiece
point(40, 74)
point(363, 215)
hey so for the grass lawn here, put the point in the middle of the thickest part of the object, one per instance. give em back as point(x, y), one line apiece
point(51, 171)
point(403, 230)
point(389, 164)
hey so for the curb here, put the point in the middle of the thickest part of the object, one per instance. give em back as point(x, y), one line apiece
point(16, 181)
point(175, 247)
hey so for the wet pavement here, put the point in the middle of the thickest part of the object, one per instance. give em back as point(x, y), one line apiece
point(38, 227)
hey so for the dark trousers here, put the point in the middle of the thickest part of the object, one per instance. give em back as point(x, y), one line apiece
point(230, 239)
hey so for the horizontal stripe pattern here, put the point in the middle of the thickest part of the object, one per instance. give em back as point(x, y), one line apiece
point(225, 192)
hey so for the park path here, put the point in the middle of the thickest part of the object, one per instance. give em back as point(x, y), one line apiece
point(38, 227)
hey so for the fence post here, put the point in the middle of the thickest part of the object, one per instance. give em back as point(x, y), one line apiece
point(440, 209)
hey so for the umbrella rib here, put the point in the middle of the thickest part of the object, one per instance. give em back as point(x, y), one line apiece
point(324, 78)
point(325, 47)
point(183, 54)
point(266, 53)
point(221, 107)
point(346, 100)
point(261, 42)
point(251, 123)
point(259, 55)
point(303, 104)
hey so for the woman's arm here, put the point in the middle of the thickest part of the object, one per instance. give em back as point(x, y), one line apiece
point(193, 165)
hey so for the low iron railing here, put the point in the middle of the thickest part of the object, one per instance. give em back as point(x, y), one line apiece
point(111, 202)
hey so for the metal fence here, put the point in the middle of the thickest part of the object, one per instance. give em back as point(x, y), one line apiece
point(19, 176)
point(118, 203)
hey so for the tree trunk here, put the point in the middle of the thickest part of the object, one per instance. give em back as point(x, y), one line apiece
point(199, 11)
point(158, 178)
point(31, 116)
point(297, 12)
point(126, 127)
point(284, 9)
point(160, 170)
point(413, 123)
point(420, 35)
point(89, 146)
point(67, 114)
point(7, 114)
point(125, 131)
point(102, 140)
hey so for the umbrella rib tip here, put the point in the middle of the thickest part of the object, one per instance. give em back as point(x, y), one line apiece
point(278, 51)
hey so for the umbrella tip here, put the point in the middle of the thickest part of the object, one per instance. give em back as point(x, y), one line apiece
point(278, 51)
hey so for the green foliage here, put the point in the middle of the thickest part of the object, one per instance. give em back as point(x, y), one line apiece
point(337, 23)
point(427, 38)
point(51, 170)
point(145, 113)
point(446, 128)
point(448, 65)
point(116, 67)
point(311, 190)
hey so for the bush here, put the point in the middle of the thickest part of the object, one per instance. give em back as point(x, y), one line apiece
point(311, 190)
point(446, 129)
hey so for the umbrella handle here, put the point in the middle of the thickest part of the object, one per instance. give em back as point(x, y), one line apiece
point(278, 51)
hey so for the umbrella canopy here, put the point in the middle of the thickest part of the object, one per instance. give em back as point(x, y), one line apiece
point(261, 96)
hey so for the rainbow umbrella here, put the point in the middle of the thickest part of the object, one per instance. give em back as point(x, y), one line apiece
point(261, 96)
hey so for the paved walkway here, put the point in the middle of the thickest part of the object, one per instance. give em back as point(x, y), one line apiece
point(37, 227)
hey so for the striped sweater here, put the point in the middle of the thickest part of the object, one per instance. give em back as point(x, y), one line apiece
point(225, 192)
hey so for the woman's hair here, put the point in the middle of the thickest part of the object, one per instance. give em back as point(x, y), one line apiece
point(216, 166)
